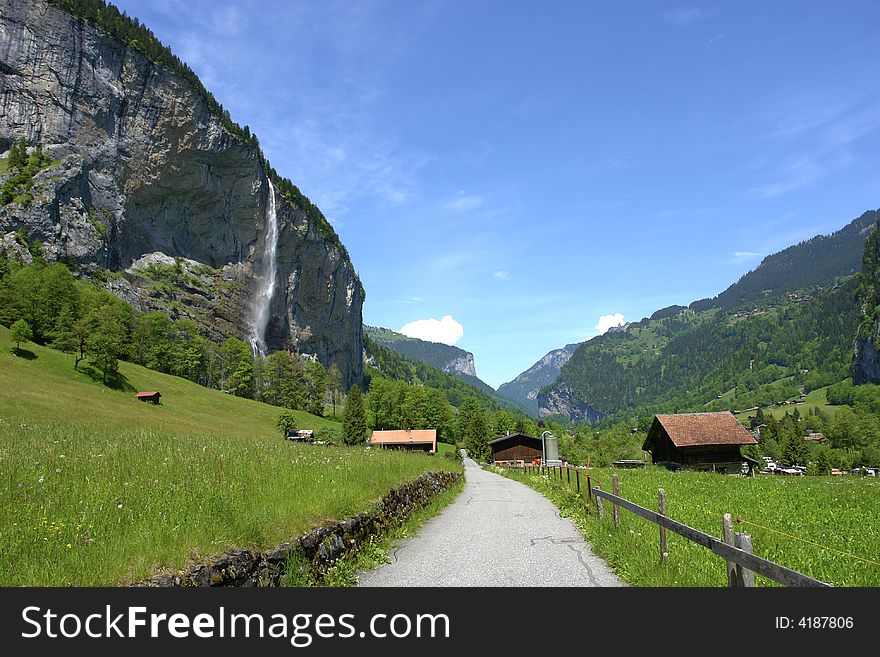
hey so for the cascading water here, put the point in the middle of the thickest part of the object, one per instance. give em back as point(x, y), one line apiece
point(266, 289)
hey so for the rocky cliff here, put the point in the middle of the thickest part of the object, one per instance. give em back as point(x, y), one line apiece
point(141, 166)
point(561, 400)
point(524, 388)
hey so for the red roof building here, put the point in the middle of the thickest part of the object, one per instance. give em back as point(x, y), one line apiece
point(699, 441)
point(424, 440)
point(152, 397)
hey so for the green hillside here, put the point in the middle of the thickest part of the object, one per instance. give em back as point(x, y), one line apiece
point(753, 355)
point(817, 261)
point(101, 489)
point(435, 354)
point(394, 365)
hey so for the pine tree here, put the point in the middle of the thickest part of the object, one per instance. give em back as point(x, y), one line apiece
point(354, 418)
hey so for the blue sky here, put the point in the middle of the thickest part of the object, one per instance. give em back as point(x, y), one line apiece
point(525, 168)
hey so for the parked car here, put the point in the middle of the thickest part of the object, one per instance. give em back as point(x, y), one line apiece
point(870, 472)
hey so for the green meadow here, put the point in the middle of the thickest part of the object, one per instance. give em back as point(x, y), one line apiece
point(824, 527)
point(101, 489)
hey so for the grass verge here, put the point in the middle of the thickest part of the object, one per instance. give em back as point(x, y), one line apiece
point(819, 526)
point(376, 552)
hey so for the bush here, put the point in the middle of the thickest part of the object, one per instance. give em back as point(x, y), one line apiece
point(286, 423)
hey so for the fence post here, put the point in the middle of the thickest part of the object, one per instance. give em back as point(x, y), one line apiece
point(568, 474)
point(615, 488)
point(661, 508)
point(589, 487)
point(599, 504)
point(577, 478)
point(728, 537)
point(744, 576)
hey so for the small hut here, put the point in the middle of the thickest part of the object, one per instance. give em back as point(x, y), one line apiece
point(516, 447)
point(698, 441)
point(152, 397)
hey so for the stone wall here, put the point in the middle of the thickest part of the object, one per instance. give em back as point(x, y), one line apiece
point(317, 550)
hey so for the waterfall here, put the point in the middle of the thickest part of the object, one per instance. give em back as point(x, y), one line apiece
point(266, 278)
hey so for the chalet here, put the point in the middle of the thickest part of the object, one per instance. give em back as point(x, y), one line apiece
point(698, 441)
point(302, 435)
point(516, 447)
point(816, 437)
point(152, 397)
point(424, 440)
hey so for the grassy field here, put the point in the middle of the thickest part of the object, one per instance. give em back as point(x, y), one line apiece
point(99, 488)
point(814, 399)
point(821, 526)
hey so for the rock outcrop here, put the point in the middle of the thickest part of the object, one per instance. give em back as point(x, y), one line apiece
point(142, 166)
point(561, 400)
point(524, 388)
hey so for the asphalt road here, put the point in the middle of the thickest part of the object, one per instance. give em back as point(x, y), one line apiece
point(498, 532)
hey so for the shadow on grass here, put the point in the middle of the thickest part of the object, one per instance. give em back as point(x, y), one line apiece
point(116, 381)
point(24, 353)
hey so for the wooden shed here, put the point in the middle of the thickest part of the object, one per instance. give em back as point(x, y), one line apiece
point(420, 440)
point(152, 397)
point(698, 441)
point(516, 447)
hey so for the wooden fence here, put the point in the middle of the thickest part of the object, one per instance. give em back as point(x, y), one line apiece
point(734, 547)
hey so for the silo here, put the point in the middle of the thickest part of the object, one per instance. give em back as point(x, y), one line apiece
point(551, 448)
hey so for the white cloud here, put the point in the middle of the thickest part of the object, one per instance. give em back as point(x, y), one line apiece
point(609, 321)
point(445, 330)
point(747, 254)
point(464, 202)
point(502, 275)
point(683, 16)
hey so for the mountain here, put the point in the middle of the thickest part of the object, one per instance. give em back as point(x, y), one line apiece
point(787, 325)
point(145, 183)
point(817, 261)
point(398, 367)
point(446, 358)
point(711, 360)
point(524, 388)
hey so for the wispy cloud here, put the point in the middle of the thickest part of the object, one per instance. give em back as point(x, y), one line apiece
point(808, 136)
point(501, 275)
point(745, 255)
point(464, 202)
point(683, 16)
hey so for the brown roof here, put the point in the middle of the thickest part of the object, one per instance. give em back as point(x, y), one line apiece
point(147, 394)
point(512, 435)
point(404, 436)
point(691, 429)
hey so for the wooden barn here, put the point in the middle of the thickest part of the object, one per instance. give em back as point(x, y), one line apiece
point(420, 440)
point(152, 397)
point(698, 441)
point(516, 447)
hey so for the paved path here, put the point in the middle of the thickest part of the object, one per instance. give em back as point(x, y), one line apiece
point(498, 532)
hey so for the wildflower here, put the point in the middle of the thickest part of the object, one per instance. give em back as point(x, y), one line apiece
point(40, 480)
point(69, 546)
point(119, 506)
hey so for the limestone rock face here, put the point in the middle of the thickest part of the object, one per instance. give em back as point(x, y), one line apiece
point(524, 388)
point(462, 365)
point(144, 167)
point(561, 400)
